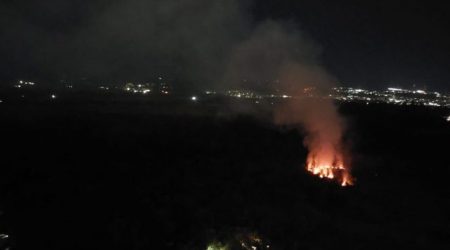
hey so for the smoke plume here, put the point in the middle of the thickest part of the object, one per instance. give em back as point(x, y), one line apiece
point(280, 58)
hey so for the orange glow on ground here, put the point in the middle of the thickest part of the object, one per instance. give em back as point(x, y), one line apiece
point(329, 165)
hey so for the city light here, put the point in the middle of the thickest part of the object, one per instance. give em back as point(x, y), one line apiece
point(147, 88)
point(22, 83)
point(395, 96)
point(391, 95)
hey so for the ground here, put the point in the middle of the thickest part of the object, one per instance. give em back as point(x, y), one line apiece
point(135, 174)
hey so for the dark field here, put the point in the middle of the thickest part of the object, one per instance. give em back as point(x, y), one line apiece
point(137, 175)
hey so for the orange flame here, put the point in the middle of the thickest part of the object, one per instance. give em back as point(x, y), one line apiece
point(328, 164)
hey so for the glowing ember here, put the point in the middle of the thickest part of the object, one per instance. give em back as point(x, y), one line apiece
point(324, 128)
point(329, 164)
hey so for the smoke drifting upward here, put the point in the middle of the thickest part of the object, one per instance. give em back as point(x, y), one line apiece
point(324, 129)
point(278, 52)
point(276, 56)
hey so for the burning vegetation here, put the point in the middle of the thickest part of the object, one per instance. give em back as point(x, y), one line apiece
point(332, 168)
point(323, 128)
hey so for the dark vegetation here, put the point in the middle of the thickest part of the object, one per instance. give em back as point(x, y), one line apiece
point(136, 175)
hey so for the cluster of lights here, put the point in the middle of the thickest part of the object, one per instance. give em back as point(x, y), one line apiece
point(137, 88)
point(164, 88)
point(391, 95)
point(243, 94)
point(397, 96)
point(21, 84)
point(248, 94)
point(146, 88)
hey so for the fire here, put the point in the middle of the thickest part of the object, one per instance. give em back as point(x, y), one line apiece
point(329, 165)
point(323, 129)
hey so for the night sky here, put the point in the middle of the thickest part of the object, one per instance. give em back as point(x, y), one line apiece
point(372, 44)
